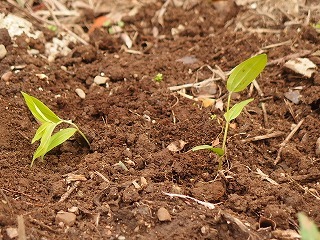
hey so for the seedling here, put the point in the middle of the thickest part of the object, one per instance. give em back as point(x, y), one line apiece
point(308, 229)
point(158, 77)
point(241, 76)
point(49, 121)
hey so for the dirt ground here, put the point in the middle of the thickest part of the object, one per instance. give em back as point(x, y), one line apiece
point(131, 119)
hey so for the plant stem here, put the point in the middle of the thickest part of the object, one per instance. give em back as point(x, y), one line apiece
point(81, 133)
point(226, 128)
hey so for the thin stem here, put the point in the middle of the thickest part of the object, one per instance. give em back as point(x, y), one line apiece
point(226, 126)
point(81, 133)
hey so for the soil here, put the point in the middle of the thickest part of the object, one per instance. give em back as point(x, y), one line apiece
point(132, 119)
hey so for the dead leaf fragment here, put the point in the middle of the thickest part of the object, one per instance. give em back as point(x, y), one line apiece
point(207, 102)
point(293, 96)
point(219, 104)
point(176, 146)
point(302, 66)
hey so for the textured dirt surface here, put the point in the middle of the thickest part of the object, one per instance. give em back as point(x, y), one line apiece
point(133, 119)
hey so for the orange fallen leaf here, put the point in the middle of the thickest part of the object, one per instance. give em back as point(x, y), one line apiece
point(207, 102)
point(97, 23)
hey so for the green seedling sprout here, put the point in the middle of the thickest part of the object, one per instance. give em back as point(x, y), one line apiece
point(158, 77)
point(308, 229)
point(241, 76)
point(49, 121)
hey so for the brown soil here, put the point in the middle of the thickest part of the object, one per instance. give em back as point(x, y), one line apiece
point(133, 119)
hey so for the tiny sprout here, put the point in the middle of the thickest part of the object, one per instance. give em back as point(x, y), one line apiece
point(241, 76)
point(49, 121)
point(158, 77)
point(52, 28)
point(213, 116)
point(107, 23)
point(120, 24)
point(308, 229)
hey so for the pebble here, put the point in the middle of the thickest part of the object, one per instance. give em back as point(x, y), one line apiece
point(66, 217)
point(80, 93)
point(318, 147)
point(163, 215)
point(3, 51)
point(12, 232)
point(100, 80)
point(74, 210)
point(121, 237)
point(6, 76)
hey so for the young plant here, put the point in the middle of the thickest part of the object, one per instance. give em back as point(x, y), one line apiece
point(49, 121)
point(241, 76)
point(158, 77)
point(308, 229)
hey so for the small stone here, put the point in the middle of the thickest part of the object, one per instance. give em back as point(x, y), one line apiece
point(176, 189)
point(143, 182)
point(318, 147)
point(74, 210)
point(66, 217)
point(204, 230)
point(100, 80)
point(163, 215)
point(5, 38)
point(3, 51)
point(121, 237)
point(12, 232)
point(6, 76)
point(80, 93)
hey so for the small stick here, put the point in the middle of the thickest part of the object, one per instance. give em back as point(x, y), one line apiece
point(294, 130)
point(277, 44)
point(189, 85)
point(103, 177)
point(288, 57)
point(306, 189)
point(7, 200)
point(21, 228)
point(41, 224)
point(266, 98)
point(229, 218)
point(262, 137)
point(266, 177)
point(206, 204)
point(71, 189)
point(256, 85)
point(290, 110)
point(21, 193)
point(265, 115)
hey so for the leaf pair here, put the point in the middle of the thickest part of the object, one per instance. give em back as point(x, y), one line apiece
point(241, 76)
point(49, 121)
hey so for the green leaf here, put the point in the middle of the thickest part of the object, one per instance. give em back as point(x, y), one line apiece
point(39, 110)
point(44, 143)
point(308, 229)
point(40, 131)
point(60, 137)
point(243, 74)
point(235, 111)
point(218, 151)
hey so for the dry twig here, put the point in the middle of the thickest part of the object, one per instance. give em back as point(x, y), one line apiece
point(262, 137)
point(71, 189)
point(241, 225)
point(21, 228)
point(206, 204)
point(278, 61)
point(42, 225)
point(294, 130)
